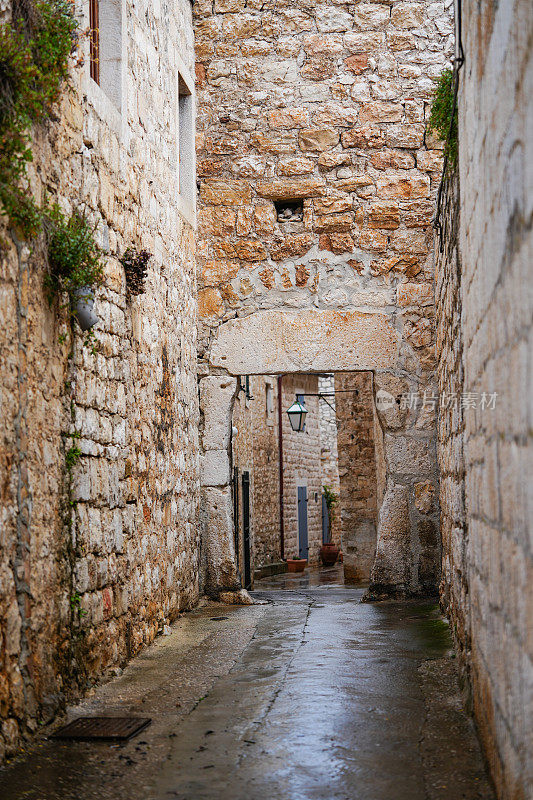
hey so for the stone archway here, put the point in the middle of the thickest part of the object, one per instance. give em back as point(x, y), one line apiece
point(273, 342)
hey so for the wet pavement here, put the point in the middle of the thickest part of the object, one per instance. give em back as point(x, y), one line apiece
point(313, 696)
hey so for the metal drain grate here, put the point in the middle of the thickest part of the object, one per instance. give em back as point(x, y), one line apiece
point(102, 728)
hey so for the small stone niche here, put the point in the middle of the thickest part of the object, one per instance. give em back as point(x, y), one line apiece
point(289, 210)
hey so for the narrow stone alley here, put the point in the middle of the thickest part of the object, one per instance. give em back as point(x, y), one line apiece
point(309, 695)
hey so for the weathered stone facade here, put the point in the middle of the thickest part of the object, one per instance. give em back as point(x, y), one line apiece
point(485, 310)
point(256, 450)
point(96, 559)
point(266, 504)
point(358, 472)
point(329, 455)
point(302, 467)
point(316, 185)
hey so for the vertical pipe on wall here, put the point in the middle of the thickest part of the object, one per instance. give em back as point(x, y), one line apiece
point(280, 448)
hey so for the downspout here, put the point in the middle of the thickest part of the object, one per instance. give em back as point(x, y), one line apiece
point(280, 447)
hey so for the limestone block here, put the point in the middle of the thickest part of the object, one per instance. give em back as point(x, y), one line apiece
point(370, 16)
point(389, 391)
point(392, 565)
point(424, 494)
point(384, 215)
point(213, 273)
point(310, 340)
point(415, 294)
point(291, 190)
point(363, 136)
point(318, 68)
point(407, 15)
point(318, 139)
point(331, 18)
point(337, 114)
point(380, 111)
point(216, 511)
point(216, 396)
point(210, 303)
point(403, 187)
point(288, 117)
point(327, 45)
point(226, 193)
point(291, 246)
point(296, 166)
point(406, 455)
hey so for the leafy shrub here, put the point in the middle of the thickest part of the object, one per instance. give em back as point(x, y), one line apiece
point(74, 258)
point(440, 118)
point(34, 53)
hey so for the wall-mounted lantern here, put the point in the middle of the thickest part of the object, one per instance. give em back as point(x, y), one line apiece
point(297, 414)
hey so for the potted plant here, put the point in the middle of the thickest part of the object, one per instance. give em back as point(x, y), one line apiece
point(329, 552)
point(75, 262)
point(296, 564)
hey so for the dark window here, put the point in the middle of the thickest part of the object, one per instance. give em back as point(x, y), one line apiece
point(289, 210)
point(94, 39)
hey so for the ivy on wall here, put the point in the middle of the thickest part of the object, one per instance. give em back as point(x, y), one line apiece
point(34, 52)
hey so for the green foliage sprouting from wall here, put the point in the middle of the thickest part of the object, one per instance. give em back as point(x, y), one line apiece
point(74, 257)
point(443, 116)
point(34, 52)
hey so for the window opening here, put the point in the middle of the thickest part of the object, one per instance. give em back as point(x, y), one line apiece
point(289, 210)
point(105, 47)
point(94, 40)
point(185, 140)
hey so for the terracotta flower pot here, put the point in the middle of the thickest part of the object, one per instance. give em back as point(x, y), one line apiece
point(296, 564)
point(329, 554)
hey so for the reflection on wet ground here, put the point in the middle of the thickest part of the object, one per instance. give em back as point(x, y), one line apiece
point(313, 696)
point(323, 576)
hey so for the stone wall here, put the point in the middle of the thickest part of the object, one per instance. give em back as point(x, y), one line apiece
point(454, 530)
point(95, 560)
point(490, 555)
point(329, 457)
point(266, 507)
point(316, 198)
point(357, 471)
point(243, 458)
point(301, 466)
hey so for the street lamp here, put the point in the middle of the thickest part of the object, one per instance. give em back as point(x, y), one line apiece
point(297, 414)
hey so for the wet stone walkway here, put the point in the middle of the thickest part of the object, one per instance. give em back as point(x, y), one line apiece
point(312, 696)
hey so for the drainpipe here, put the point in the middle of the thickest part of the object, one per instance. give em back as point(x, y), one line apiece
point(280, 447)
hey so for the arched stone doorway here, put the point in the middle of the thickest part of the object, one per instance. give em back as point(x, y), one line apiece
point(275, 342)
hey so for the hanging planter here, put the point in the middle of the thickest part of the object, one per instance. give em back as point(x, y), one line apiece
point(75, 263)
point(83, 301)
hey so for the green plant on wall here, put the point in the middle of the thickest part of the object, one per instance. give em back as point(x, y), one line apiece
point(443, 116)
point(34, 52)
point(331, 501)
point(75, 259)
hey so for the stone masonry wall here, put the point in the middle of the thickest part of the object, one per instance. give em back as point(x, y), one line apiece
point(316, 185)
point(491, 555)
point(357, 471)
point(301, 467)
point(454, 530)
point(266, 508)
point(485, 311)
point(322, 105)
point(329, 456)
point(93, 562)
